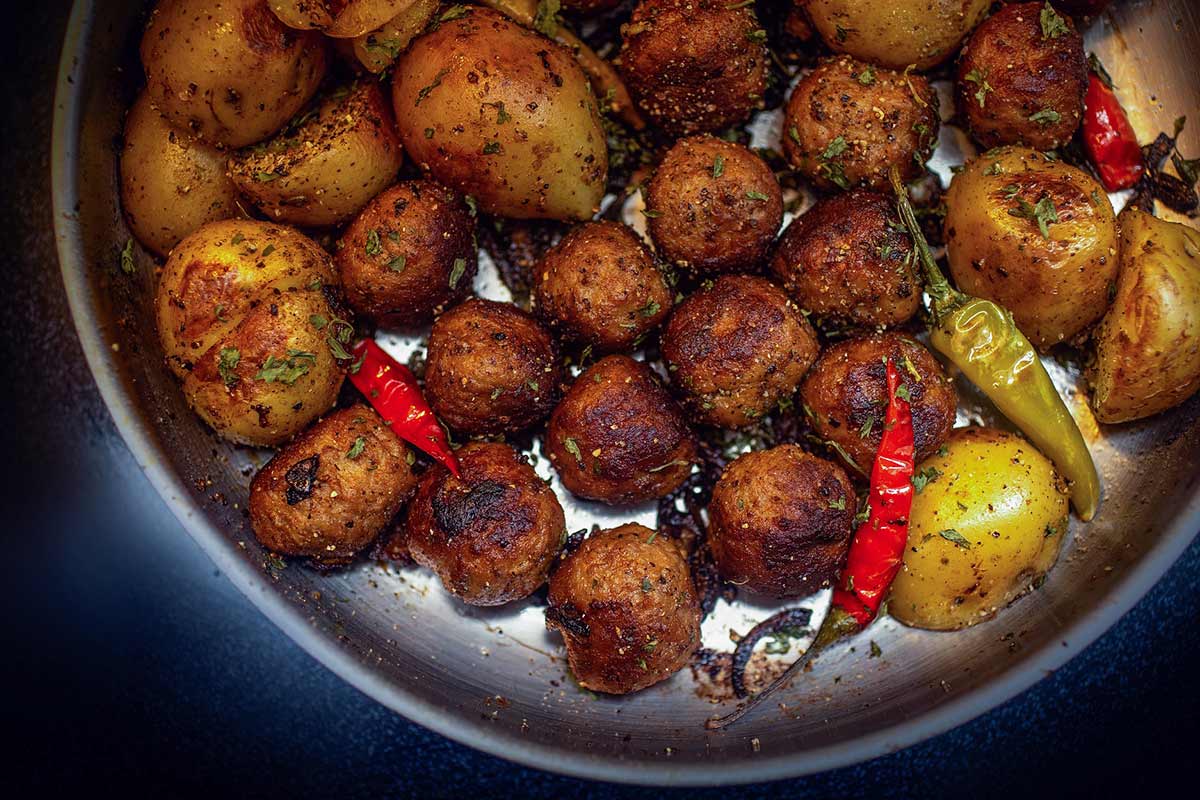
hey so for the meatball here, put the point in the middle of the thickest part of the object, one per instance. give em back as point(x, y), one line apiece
point(618, 437)
point(409, 255)
point(737, 349)
point(713, 206)
point(1022, 78)
point(491, 534)
point(627, 609)
point(847, 122)
point(847, 260)
point(780, 521)
point(845, 396)
point(333, 490)
point(600, 285)
point(694, 66)
point(491, 368)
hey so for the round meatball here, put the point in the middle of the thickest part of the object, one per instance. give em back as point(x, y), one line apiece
point(409, 255)
point(780, 521)
point(491, 368)
point(332, 490)
point(847, 260)
point(694, 66)
point(1022, 78)
point(618, 437)
point(627, 609)
point(491, 534)
point(713, 206)
point(845, 396)
point(847, 122)
point(600, 285)
point(736, 350)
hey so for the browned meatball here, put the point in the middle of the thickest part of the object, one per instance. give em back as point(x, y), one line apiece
point(847, 122)
point(780, 521)
point(330, 492)
point(491, 368)
point(713, 206)
point(1022, 77)
point(600, 285)
point(409, 255)
point(737, 349)
point(491, 534)
point(618, 437)
point(694, 66)
point(845, 396)
point(626, 607)
point(848, 260)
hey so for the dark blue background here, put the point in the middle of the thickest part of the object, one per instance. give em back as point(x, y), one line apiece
point(130, 663)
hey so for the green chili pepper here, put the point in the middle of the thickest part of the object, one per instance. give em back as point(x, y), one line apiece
point(982, 340)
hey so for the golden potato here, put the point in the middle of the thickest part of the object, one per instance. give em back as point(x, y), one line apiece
point(498, 112)
point(304, 15)
point(1036, 236)
point(988, 522)
point(228, 71)
point(340, 19)
point(896, 33)
point(378, 49)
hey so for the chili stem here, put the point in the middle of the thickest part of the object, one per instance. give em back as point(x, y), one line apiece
point(945, 297)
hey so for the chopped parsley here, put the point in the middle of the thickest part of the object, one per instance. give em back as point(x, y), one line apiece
point(546, 20)
point(397, 264)
point(456, 272)
point(1053, 25)
point(127, 264)
point(573, 448)
point(502, 116)
point(317, 321)
point(979, 79)
point(491, 148)
point(356, 449)
point(286, 370)
point(453, 13)
point(925, 477)
point(373, 247)
point(1042, 214)
point(650, 309)
point(227, 363)
point(718, 166)
point(867, 76)
point(832, 169)
point(839, 504)
point(758, 36)
point(437, 81)
point(753, 195)
point(951, 535)
point(1047, 116)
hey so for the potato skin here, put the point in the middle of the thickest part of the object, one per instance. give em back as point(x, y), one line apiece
point(845, 395)
point(708, 222)
point(314, 499)
point(490, 535)
point(980, 533)
point(780, 521)
point(840, 132)
point(618, 437)
point(736, 350)
point(901, 32)
point(600, 285)
point(491, 368)
point(397, 259)
point(171, 183)
point(627, 610)
point(1055, 287)
point(378, 49)
point(229, 71)
point(498, 112)
point(847, 261)
point(693, 66)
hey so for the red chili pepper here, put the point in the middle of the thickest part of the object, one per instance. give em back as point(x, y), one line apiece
point(1109, 138)
point(392, 389)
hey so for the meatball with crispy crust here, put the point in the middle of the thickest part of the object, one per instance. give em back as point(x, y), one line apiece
point(1022, 77)
point(331, 491)
point(409, 255)
point(491, 534)
point(491, 368)
point(780, 521)
point(713, 206)
point(694, 66)
point(737, 349)
point(845, 396)
point(847, 122)
point(618, 437)
point(600, 285)
point(627, 609)
point(848, 260)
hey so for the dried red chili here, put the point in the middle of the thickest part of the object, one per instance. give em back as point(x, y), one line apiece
point(1108, 137)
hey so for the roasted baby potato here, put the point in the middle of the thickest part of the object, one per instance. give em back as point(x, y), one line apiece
point(898, 33)
point(1036, 236)
point(988, 522)
point(502, 114)
point(378, 49)
point(1148, 344)
point(230, 72)
point(341, 19)
point(171, 183)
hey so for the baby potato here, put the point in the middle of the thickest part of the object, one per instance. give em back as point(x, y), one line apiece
point(340, 19)
point(1148, 344)
point(377, 49)
point(229, 72)
point(171, 183)
point(304, 15)
point(325, 166)
point(1036, 236)
point(897, 33)
point(989, 521)
point(500, 113)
